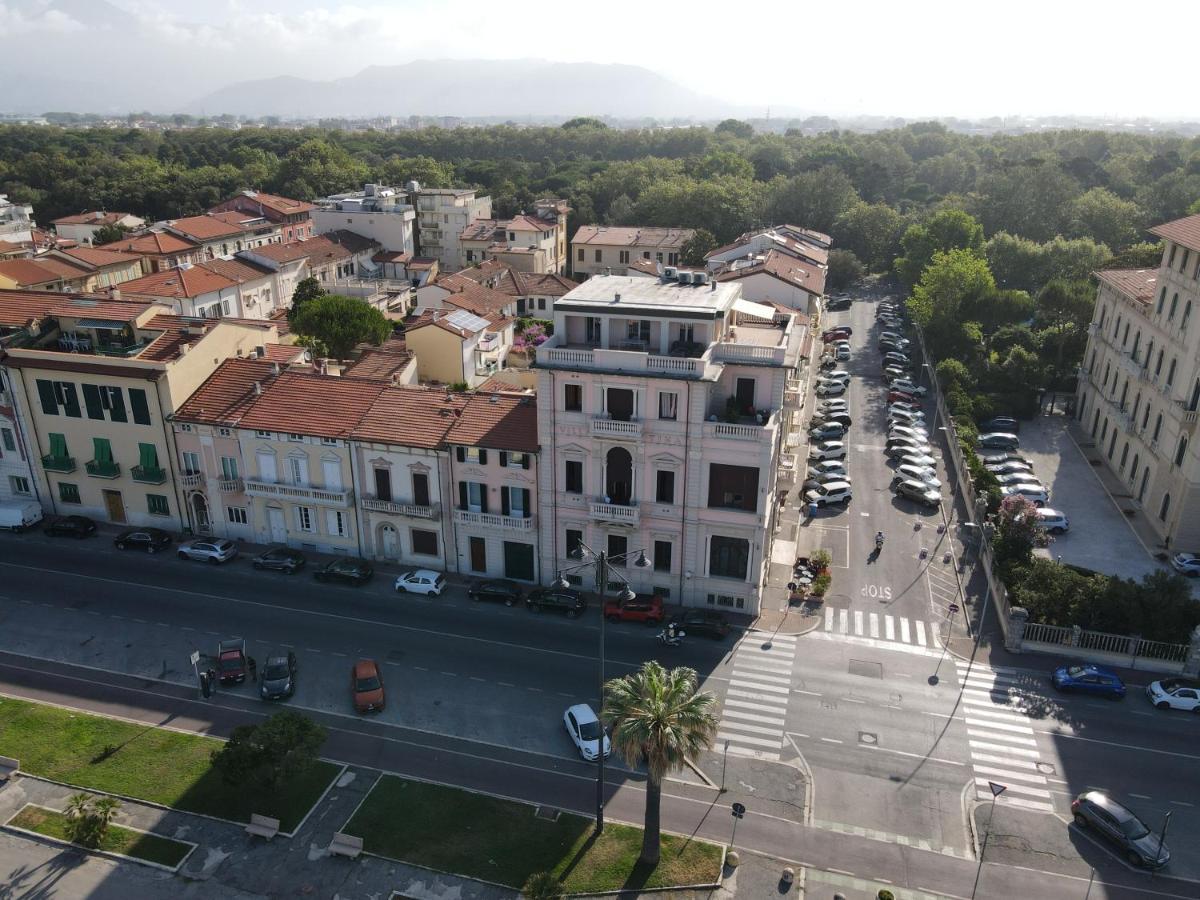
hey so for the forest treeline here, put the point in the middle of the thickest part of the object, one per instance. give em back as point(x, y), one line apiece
point(864, 189)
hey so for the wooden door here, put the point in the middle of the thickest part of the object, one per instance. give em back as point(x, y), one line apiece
point(114, 506)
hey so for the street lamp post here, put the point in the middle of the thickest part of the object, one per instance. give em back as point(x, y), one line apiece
point(601, 563)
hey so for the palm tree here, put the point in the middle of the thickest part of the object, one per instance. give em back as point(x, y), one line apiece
point(542, 886)
point(658, 719)
point(104, 810)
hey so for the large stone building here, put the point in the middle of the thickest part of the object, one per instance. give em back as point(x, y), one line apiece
point(1139, 386)
point(660, 420)
point(611, 249)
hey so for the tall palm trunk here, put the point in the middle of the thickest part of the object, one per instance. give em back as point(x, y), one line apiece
point(650, 834)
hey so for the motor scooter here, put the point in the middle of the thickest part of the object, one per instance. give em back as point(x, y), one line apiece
point(670, 637)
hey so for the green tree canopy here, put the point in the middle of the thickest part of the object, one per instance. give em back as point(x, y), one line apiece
point(1104, 217)
point(306, 289)
point(582, 122)
point(948, 229)
point(952, 278)
point(694, 248)
point(844, 269)
point(272, 752)
point(811, 199)
point(107, 233)
point(735, 127)
point(338, 324)
point(872, 232)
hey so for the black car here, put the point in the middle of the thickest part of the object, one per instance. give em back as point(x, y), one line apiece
point(346, 569)
point(887, 345)
point(278, 675)
point(836, 303)
point(1007, 424)
point(567, 601)
point(506, 592)
point(70, 526)
point(150, 540)
point(281, 559)
point(1097, 811)
point(703, 621)
point(840, 418)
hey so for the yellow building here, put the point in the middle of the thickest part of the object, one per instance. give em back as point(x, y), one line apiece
point(456, 346)
point(93, 383)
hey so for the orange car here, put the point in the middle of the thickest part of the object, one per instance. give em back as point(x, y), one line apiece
point(366, 685)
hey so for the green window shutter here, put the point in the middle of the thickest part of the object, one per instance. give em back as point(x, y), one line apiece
point(68, 493)
point(103, 450)
point(46, 395)
point(116, 409)
point(137, 402)
point(58, 446)
point(91, 400)
point(147, 456)
point(71, 400)
point(157, 505)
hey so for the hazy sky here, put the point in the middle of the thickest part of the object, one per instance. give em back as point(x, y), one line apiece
point(925, 57)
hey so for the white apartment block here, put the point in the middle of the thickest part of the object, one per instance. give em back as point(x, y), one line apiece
point(660, 416)
point(377, 212)
point(16, 221)
point(609, 249)
point(1139, 385)
point(442, 216)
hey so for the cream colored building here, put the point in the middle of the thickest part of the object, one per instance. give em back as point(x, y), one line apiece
point(83, 227)
point(93, 384)
point(442, 216)
point(1139, 386)
point(456, 346)
point(661, 420)
point(609, 249)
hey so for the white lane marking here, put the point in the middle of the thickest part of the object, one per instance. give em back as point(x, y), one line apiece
point(998, 715)
point(832, 741)
point(753, 729)
point(874, 625)
point(889, 627)
point(1001, 726)
point(770, 688)
point(904, 630)
point(756, 754)
point(1035, 805)
point(1008, 774)
point(755, 676)
point(728, 713)
point(1016, 788)
point(999, 736)
point(753, 741)
point(920, 628)
point(760, 665)
point(1005, 761)
point(761, 707)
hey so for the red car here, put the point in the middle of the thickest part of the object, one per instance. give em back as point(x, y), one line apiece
point(902, 397)
point(840, 333)
point(646, 608)
point(366, 686)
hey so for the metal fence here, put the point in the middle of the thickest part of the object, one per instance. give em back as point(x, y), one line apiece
point(1097, 642)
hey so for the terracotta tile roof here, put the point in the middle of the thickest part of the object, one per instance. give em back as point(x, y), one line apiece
point(153, 243)
point(497, 422)
point(283, 205)
point(244, 221)
point(1181, 231)
point(82, 308)
point(794, 272)
point(379, 363)
point(633, 236)
point(391, 256)
point(500, 384)
point(321, 405)
point(67, 269)
point(192, 282)
point(410, 417)
point(18, 308)
point(100, 257)
point(91, 217)
point(322, 251)
point(501, 277)
point(527, 223)
point(31, 271)
point(281, 253)
point(238, 270)
point(472, 296)
point(422, 262)
point(204, 228)
point(648, 266)
point(810, 234)
point(285, 354)
point(226, 394)
point(436, 317)
point(480, 230)
point(1137, 284)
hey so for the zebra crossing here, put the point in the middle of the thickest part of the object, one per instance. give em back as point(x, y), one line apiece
point(754, 714)
point(870, 627)
point(1001, 739)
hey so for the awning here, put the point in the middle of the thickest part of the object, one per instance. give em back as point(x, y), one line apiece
point(757, 310)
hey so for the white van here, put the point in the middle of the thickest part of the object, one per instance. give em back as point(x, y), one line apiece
point(19, 516)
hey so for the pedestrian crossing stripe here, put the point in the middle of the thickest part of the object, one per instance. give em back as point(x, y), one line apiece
point(754, 754)
point(775, 743)
point(754, 712)
point(752, 729)
point(729, 713)
point(870, 624)
point(740, 672)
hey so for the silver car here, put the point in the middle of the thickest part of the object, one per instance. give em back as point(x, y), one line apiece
point(208, 550)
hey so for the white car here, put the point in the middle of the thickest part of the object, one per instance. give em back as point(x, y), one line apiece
point(837, 375)
point(422, 581)
point(834, 405)
point(914, 432)
point(584, 728)
point(1020, 476)
point(841, 354)
point(901, 406)
point(828, 467)
point(1008, 467)
point(832, 492)
point(906, 385)
point(1034, 493)
point(210, 551)
point(830, 388)
point(1175, 693)
point(1186, 564)
point(828, 450)
point(815, 480)
point(917, 459)
point(924, 474)
point(1053, 520)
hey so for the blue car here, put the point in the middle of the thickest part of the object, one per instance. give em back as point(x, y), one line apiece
point(1089, 679)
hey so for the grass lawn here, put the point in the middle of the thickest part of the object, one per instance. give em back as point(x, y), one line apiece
point(149, 847)
point(141, 761)
point(501, 841)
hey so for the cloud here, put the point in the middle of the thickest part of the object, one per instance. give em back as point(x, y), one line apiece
point(36, 18)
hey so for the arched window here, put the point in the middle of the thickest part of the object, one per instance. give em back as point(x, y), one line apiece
point(1171, 373)
point(1157, 426)
point(1164, 507)
point(1187, 314)
point(1181, 450)
point(1174, 306)
point(1137, 458)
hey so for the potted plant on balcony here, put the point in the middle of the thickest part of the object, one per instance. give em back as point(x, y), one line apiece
point(821, 560)
point(731, 411)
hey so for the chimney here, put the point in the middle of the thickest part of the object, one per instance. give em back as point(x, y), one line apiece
point(712, 285)
point(324, 367)
point(617, 297)
point(258, 389)
point(274, 368)
point(260, 352)
point(116, 294)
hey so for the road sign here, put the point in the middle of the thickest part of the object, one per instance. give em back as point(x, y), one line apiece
point(195, 657)
point(997, 789)
point(738, 810)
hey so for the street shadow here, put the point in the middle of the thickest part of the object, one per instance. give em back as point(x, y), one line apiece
point(638, 878)
point(579, 854)
point(39, 882)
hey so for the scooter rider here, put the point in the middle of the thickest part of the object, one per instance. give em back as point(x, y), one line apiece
point(879, 540)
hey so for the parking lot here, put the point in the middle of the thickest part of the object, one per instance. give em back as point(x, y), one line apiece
point(1100, 538)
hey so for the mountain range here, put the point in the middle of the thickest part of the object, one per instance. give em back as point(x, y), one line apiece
point(468, 88)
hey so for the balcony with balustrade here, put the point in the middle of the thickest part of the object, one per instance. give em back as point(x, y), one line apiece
point(62, 464)
point(99, 468)
point(495, 521)
point(230, 485)
point(148, 474)
point(394, 508)
point(190, 480)
point(338, 499)
point(606, 427)
point(620, 513)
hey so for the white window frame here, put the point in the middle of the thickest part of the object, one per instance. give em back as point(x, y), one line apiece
point(236, 515)
point(475, 496)
point(335, 522)
point(668, 402)
point(187, 458)
point(19, 484)
point(304, 519)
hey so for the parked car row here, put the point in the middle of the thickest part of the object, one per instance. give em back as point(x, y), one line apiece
point(827, 481)
point(1016, 477)
point(907, 442)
